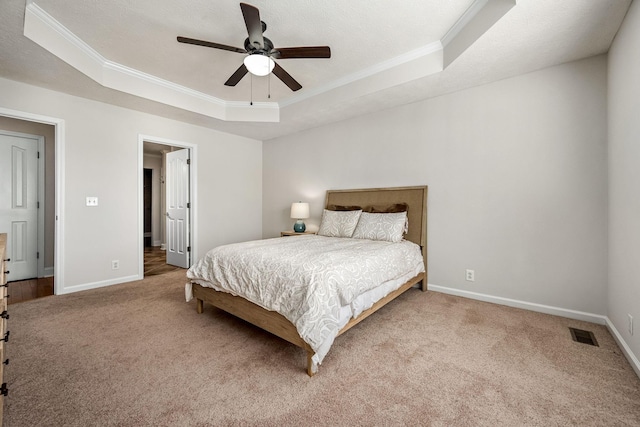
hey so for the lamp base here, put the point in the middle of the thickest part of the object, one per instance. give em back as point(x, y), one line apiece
point(299, 226)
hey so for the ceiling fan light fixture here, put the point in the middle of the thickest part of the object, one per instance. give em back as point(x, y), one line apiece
point(258, 64)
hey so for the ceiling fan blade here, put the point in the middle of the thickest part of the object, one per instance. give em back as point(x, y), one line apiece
point(210, 44)
point(302, 52)
point(286, 78)
point(251, 16)
point(237, 76)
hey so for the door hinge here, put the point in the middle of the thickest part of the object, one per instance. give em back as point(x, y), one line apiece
point(38, 154)
point(188, 248)
point(188, 205)
point(38, 205)
point(188, 161)
point(37, 255)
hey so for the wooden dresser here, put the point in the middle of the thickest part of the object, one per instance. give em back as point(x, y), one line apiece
point(4, 337)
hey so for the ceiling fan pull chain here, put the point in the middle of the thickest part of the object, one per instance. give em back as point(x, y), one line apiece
point(251, 101)
point(269, 82)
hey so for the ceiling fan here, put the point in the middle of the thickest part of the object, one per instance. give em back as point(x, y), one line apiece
point(261, 53)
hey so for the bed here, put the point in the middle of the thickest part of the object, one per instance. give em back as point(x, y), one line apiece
point(275, 310)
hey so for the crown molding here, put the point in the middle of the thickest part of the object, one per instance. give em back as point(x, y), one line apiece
point(431, 50)
point(477, 19)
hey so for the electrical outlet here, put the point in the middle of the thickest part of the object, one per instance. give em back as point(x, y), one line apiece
point(115, 264)
point(630, 324)
point(470, 275)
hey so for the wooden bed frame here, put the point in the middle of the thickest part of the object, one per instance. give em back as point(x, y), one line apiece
point(271, 321)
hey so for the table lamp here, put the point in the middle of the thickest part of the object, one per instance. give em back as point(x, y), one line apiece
point(299, 211)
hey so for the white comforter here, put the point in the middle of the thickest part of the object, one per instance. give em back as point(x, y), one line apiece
point(307, 278)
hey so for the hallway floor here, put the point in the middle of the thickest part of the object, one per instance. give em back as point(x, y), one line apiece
point(25, 290)
point(155, 262)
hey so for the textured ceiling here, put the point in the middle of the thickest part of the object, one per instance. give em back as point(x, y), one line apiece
point(141, 35)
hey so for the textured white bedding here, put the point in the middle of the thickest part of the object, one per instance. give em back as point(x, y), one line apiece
point(313, 281)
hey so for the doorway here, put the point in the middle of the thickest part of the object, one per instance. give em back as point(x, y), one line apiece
point(148, 207)
point(34, 259)
point(156, 242)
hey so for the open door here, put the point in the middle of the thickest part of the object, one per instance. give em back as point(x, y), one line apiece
point(19, 202)
point(177, 203)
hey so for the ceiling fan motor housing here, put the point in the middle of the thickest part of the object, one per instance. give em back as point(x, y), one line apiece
point(266, 50)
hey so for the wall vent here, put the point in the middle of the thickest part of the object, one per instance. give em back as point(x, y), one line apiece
point(584, 337)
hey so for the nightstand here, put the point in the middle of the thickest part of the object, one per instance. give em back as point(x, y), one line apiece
point(293, 233)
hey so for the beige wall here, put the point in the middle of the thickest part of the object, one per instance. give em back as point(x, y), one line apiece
point(48, 132)
point(517, 176)
point(624, 180)
point(101, 158)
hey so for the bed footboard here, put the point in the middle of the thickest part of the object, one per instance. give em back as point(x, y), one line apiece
point(270, 321)
point(277, 324)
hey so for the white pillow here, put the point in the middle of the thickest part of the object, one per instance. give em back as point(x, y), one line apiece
point(381, 226)
point(338, 223)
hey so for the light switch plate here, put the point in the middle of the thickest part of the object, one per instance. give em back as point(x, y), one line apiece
point(92, 201)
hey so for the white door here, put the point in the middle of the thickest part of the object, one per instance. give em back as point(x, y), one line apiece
point(19, 203)
point(177, 202)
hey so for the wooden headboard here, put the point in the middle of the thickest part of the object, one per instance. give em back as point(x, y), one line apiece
point(414, 197)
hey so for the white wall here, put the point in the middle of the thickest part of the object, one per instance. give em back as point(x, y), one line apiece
point(624, 179)
point(517, 175)
point(101, 159)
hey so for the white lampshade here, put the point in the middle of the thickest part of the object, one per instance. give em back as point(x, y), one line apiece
point(259, 65)
point(299, 210)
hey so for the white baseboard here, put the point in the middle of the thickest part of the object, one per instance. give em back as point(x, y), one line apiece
point(157, 243)
point(547, 309)
point(633, 360)
point(540, 308)
point(49, 272)
point(100, 284)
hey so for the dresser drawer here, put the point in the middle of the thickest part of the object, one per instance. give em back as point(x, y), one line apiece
point(3, 320)
point(2, 358)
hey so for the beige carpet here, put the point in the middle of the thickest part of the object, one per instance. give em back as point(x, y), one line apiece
point(136, 354)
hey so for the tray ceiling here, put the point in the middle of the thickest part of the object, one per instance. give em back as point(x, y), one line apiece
point(383, 53)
